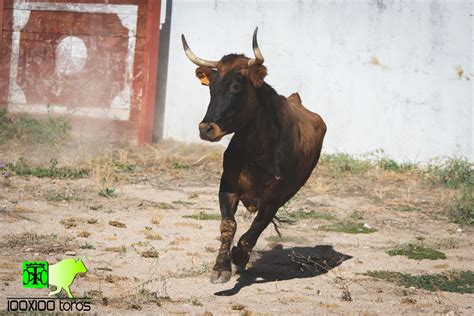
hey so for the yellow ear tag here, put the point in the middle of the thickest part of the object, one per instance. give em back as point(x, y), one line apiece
point(204, 80)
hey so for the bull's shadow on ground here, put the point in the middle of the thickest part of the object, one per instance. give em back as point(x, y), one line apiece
point(278, 264)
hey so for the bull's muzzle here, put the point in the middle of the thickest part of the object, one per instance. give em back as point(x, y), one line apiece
point(210, 132)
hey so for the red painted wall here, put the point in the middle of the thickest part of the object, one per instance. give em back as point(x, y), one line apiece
point(47, 75)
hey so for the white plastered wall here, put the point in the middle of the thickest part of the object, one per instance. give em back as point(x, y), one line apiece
point(382, 74)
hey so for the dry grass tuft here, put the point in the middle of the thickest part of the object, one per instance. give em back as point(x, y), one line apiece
point(150, 253)
point(121, 249)
point(152, 236)
point(117, 224)
point(84, 234)
point(34, 242)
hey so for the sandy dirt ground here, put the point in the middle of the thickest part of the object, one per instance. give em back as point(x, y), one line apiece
point(145, 256)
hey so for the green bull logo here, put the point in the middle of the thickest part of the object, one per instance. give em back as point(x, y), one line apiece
point(62, 274)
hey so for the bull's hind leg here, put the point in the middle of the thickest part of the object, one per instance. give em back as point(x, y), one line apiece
point(68, 291)
point(228, 204)
point(241, 253)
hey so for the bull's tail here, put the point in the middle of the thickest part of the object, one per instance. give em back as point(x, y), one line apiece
point(277, 222)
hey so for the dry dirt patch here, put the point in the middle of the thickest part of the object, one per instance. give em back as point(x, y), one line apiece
point(151, 243)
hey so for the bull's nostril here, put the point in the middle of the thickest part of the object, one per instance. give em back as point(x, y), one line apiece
point(210, 129)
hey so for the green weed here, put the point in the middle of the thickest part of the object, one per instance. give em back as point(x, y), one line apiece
point(284, 238)
point(356, 215)
point(341, 163)
point(86, 245)
point(447, 243)
point(416, 252)
point(59, 197)
point(453, 173)
point(107, 193)
point(181, 202)
point(451, 281)
point(462, 210)
point(21, 168)
point(302, 214)
point(349, 227)
point(392, 165)
point(124, 167)
point(177, 165)
point(34, 130)
point(205, 267)
point(203, 216)
point(403, 208)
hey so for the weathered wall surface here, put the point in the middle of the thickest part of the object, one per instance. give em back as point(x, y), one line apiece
point(391, 75)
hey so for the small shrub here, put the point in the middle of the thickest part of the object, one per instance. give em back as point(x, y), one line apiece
point(107, 193)
point(453, 173)
point(416, 252)
point(462, 210)
point(451, 281)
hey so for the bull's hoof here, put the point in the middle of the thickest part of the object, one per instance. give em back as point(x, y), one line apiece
point(240, 258)
point(220, 276)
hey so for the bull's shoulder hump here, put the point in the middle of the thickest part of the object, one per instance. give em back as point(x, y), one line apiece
point(307, 116)
point(295, 102)
point(294, 98)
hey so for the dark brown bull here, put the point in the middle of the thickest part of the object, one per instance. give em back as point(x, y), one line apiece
point(276, 144)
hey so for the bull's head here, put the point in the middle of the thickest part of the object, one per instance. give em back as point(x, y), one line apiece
point(232, 82)
point(79, 266)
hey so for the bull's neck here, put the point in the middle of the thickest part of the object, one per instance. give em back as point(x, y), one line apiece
point(265, 128)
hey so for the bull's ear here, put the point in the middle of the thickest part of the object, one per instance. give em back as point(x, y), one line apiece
point(204, 74)
point(256, 74)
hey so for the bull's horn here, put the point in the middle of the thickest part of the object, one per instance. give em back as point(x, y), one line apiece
point(192, 57)
point(256, 51)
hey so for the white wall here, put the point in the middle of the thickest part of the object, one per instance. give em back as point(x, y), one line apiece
point(412, 104)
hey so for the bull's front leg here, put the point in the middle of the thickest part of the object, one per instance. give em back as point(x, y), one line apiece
point(241, 253)
point(228, 202)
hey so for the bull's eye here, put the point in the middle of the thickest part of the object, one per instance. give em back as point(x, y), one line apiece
point(235, 87)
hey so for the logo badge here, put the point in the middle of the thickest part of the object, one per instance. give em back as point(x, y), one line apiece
point(35, 274)
point(41, 275)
